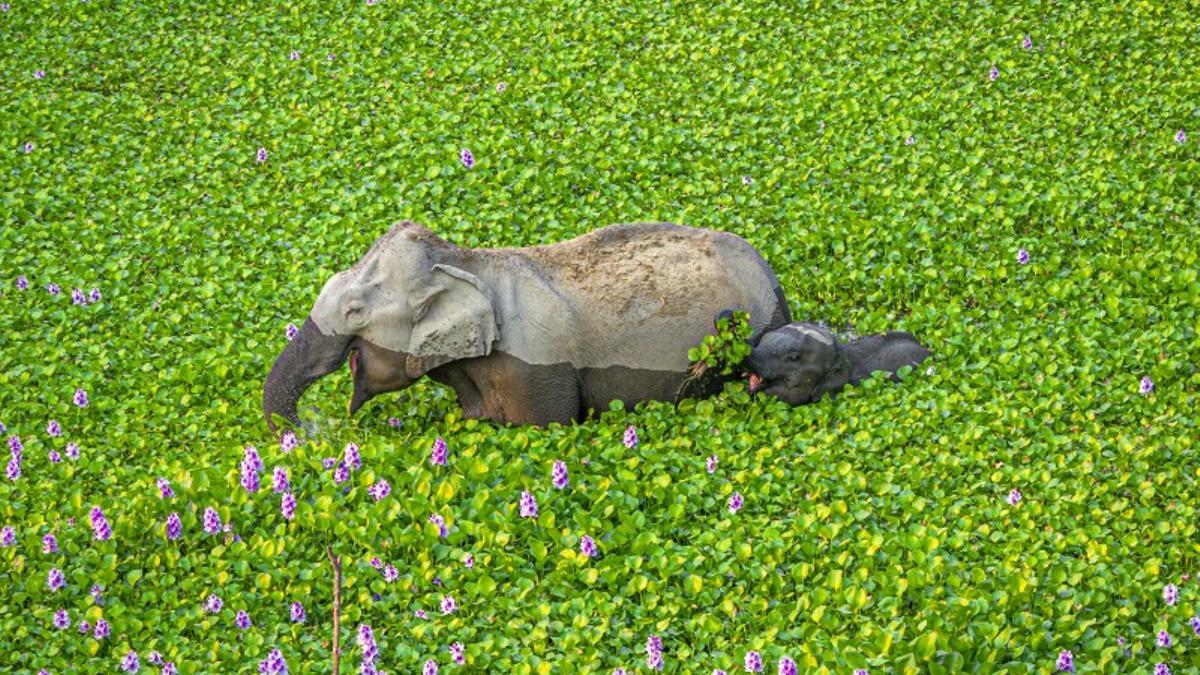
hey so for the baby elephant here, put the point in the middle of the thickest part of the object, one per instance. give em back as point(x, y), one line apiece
point(801, 362)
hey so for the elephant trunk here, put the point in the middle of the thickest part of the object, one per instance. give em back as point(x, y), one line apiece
point(310, 356)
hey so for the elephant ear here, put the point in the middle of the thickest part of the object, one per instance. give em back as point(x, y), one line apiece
point(456, 319)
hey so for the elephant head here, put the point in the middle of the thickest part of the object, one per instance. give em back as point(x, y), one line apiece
point(407, 307)
point(801, 362)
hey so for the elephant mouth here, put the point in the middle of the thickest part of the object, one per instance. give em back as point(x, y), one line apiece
point(357, 374)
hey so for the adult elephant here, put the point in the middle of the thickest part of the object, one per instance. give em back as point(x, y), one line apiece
point(527, 335)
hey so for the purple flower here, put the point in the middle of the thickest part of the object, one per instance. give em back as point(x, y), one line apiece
point(55, 458)
point(279, 480)
point(51, 288)
point(97, 593)
point(39, 74)
point(500, 87)
point(1171, 594)
point(735, 502)
point(22, 283)
point(394, 422)
point(272, 665)
point(94, 295)
point(4, 6)
point(49, 544)
point(102, 629)
point(1163, 639)
point(329, 462)
point(62, 620)
point(376, 562)
point(1066, 662)
point(213, 604)
point(250, 458)
point(212, 521)
point(1014, 497)
point(430, 667)
point(654, 652)
point(558, 475)
point(631, 437)
point(84, 627)
point(711, 464)
point(129, 664)
point(249, 477)
point(154, 658)
point(291, 331)
point(1161, 669)
point(1194, 622)
point(72, 451)
point(420, 614)
point(468, 560)
point(77, 297)
point(14, 468)
point(1146, 386)
point(390, 573)
point(341, 474)
point(619, 671)
point(8, 536)
point(294, 56)
point(1027, 43)
point(100, 527)
point(440, 454)
point(242, 620)
point(379, 490)
point(787, 666)
point(994, 74)
point(448, 605)
point(467, 158)
point(1022, 257)
point(28, 148)
point(330, 56)
point(14, 445)
point(587, 546)
point(81, 398)
point(353, 460)
point(861, 671)
point(297, 612)
point(1180, 136)
point(288, 442)
point(746, 180)
point(753, 662)
point(174, 527)
point(53, 429)
point(529, 508)
point(910, 141)
point(164, 488)
point(456, 653)
point(654, 661)
point(287, 506)
point(718, 671)
point(366, 640)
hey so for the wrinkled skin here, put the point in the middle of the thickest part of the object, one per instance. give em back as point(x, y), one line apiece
point(802, 362)
point(526, 335)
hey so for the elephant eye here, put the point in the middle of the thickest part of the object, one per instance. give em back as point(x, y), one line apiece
point(793, 356)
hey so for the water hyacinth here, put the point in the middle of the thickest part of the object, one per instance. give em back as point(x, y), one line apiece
point(1022, 257)
point(212, 521)
point(77, 297)
point(101, 531)
point(54, 457)
point(1194, 622)
point(861, 671)
point(287, 441)
point(129, 664)
point(468, 561)
point(94, 295)
point(51, 288)
point(72, 451)
point(529, 507)
point(329, 462)
point(1163, 639)
point(468, 160)
point(353, 460)
point(251, 458)
point(654, 652)
point(911, 140)
point(279, 480)
point(39, 74)
point(421, 614)
point(736, 502)
point(249, 477)
point(80, 398)
point(1027, 42)
point(102, 629)
point(174, 527)
point(274, 664)
point(213, 603)
point(631, 438)
point(13, 471)
point(994, 74)
point(440, 454)
point(296, 610)
point(448, 604)
point(1065, 662)
point(341, 474)
point(84, 627)
point(14, 445)
point(1161, 669)
point(96, 592)
point(287, 506)
point(291, 331)
point(710, 464)
point(8, 536)
point(437, 519)
point(294, 55)
point(1180, 136)
point(1014, 497)
point(154, 658)
point(430, 668)
point(390, 573)
point(394, 422)
point(28, 148)
point(62, 619)
point(22, 283)
point(366, 640)
point(49, 544)
point(1170, 594)
point(558, 475)
point(376, 562)
point(619, 671)
point(53, 429)
point(1146, 386)
point(458, 653)
point(787, 666)
point(753, 662)
point(500, 87)
point(587, 546)
point(379, 490)
point(242, 620)
point(746, 180)
point(718, 671)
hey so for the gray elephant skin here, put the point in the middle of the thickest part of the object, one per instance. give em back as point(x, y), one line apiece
point(526, 335)
point(802, 362)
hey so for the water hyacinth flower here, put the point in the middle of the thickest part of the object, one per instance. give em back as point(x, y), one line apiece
point(448, 604)
point(22, 283)
point(174, 527)
point(1163, 639)
point(440, 454)
point(279, 480)
point(1146, 386)
point(457, 653)
point(13, 471)
point(154, 658)
point(15, 446)
point(62, 619)
point(390, 573)
point(718, 671)
point(430, 667)
point(77, 297)
point(910, 141)
point(341, 474)
point(619, 671)
point(84, 627)
point(587, 546)
point(101, 531)
point(1014, 497)
point(500, 87)
point(376, 562)
point(420, 614)
point(288, 442)
point(287, 506)
point(251, 458)
point(710, 464)
point(753, 662)
point(467, 158)
point(1065, 662)
point(329, 462)
point(394, 422)
point(861, 671)
point(54, 457)
point(529, 507)
point(102, 629)
point(49, 544)
point(1027, 42)
point(274, 664)
point(353, 460)
point(654, 652)
point(558, 475)
point(213, 603)
point(468, 561)
point(746, 180)
point(94, 295)
point(1171, 594)
point(39, 74)
point(242, 620)
point(366, 640)
point(379, 490)
point(249, 477)
point(291, 331)
point(1022, 257)
point(437, 519)
point(294, 56)
point(28, 148)
point(994, 74)
point(81, 398)
point(735, 502)
point(787, 666)
point(8, 536)
point(631, 438)
point(1194, 622)
point(51, 288)
point(53, 429)
point(212, 521)
point(72, 451)
point(96, 592)
point(129, 664)
point(1180, 136)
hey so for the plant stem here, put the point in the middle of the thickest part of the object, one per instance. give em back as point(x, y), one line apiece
point(336, 561)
